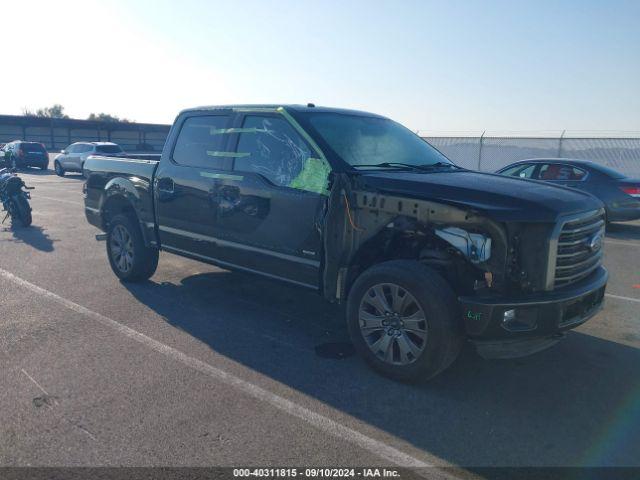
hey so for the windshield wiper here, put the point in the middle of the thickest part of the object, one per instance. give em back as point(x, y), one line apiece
point(422, 168)
point(389, 165)
point(440, 165)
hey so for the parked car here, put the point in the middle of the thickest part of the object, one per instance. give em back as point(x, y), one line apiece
point(72, 158)
point(619, 193)
point(22, 154)
point(423, 253)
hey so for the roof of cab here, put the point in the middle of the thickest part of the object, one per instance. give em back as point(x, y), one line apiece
point(290, 107)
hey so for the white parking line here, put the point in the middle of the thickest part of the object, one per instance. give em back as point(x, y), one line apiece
point(619, 297)
point(319, 421)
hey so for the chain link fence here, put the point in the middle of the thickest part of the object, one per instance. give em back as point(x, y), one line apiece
point(489, 153)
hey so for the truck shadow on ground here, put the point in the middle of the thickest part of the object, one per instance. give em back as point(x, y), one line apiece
point(33, 236)
point(575, 404)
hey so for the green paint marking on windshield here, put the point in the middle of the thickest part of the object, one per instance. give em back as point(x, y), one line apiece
point(315, 173)
point(223, 176)
point(302, 132)
point(255, 109)
point(313, 177)
point(227, 154)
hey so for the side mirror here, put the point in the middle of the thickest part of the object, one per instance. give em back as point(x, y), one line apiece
point(64, 152)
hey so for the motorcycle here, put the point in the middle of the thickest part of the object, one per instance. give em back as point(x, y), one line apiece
point(15, 197)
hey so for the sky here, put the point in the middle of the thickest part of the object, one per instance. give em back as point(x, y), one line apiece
point(435, 66)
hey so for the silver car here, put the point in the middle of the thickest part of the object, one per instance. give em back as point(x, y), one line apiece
point(72, 158)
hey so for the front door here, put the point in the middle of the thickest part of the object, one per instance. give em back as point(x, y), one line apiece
point(69, 160)
point(270, 210)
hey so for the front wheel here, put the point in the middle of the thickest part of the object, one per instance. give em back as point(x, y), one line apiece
point(22, 210)
point(131, 260)
point(403, 319)
point(58, 168)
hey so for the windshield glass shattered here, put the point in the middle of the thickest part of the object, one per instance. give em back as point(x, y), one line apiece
point(364, 141)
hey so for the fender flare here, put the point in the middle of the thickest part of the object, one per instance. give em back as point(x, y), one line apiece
point(124, 190)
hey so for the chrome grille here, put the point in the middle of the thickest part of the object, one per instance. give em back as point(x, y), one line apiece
point(577, 257)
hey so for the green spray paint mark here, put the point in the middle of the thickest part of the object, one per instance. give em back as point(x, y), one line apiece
point(227, 154)
point(313, 177)
point(223, 176)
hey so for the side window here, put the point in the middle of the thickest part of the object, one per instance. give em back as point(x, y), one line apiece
point(577, 174)
point(270, 146)
point(561, 172)
point(527, 171)
point(521, 171)
point(200, 144)
point(71, 149)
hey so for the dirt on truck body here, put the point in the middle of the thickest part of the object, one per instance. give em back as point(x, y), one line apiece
point(424, 254)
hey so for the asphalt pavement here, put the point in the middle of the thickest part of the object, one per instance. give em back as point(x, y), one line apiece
point(205, 367)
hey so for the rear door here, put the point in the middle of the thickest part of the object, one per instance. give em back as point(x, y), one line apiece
point(184, 185)
point(270, 209)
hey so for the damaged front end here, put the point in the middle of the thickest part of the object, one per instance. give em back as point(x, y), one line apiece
point(501, 271)
point(363, 228)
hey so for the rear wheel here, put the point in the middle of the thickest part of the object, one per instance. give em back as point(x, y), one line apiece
point(44, 166)
point(131, 260)
point(58, 168)
point(23, 210)
point(403, 319)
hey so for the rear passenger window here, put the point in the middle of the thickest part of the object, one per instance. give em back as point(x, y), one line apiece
point(200, 143)
point(270, 146)
point(561, 172)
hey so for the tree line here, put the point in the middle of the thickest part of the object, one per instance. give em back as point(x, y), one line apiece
point(57, 111)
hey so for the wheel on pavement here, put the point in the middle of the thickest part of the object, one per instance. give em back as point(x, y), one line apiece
point(58, 168)
point(23, 210)
point(131, 260)
point(403, 319)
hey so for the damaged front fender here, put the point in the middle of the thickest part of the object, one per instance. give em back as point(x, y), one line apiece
point(356, 221)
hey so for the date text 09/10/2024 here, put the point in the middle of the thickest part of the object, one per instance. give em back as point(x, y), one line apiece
point(316, 472)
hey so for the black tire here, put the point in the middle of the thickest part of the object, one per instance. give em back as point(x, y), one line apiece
point(145, 259)
point(58, 168)
point(431, 292)
point(23, 210)
point(44, 166)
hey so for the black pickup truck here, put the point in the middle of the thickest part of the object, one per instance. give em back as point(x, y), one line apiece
point(423, 254)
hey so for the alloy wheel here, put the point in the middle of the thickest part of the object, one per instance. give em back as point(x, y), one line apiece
point(393, 324)
point(121, 245)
